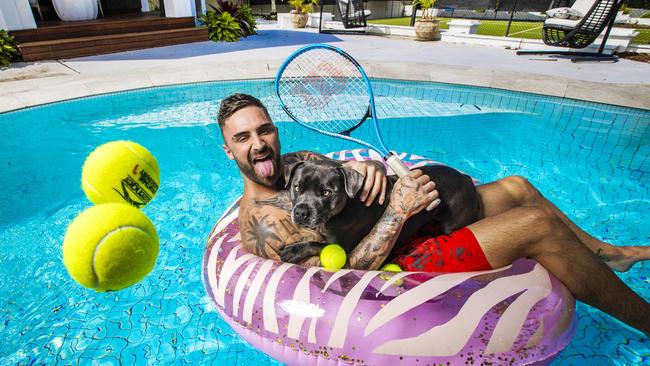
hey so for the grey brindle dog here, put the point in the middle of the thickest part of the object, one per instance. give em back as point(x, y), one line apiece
point(323, 197)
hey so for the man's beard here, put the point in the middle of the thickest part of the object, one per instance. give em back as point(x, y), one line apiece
point(248, 167)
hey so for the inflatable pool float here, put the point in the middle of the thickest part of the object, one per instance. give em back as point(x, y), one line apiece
point(516, 315)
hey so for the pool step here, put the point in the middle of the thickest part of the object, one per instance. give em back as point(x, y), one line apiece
point(95, 45)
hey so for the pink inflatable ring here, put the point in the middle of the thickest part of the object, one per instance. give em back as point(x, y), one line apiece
point(516, 315)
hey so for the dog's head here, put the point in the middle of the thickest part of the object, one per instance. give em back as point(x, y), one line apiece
point(319, 190)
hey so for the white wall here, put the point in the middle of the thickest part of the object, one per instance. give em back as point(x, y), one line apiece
point(16, 14)
point(3, 24)
point(178, 8)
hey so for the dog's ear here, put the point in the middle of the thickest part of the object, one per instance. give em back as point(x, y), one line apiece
point(352, 180)
point(289, 170)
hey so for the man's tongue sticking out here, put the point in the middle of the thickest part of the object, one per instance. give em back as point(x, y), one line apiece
point(264, 167)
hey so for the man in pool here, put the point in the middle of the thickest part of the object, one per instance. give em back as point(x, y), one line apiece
point(517, 221)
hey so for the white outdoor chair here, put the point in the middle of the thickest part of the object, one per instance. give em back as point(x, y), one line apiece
point(353, 16)
point(352, 13)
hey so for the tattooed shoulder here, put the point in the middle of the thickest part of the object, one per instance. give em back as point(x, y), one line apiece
point(281, 200)
point(267, 229)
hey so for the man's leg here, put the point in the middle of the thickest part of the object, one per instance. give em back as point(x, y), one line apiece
point(535, 233)
point(516, 191)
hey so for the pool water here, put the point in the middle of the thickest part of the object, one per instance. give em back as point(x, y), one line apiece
point(592, 160)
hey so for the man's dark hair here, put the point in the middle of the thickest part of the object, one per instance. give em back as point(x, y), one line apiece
point(236, 102)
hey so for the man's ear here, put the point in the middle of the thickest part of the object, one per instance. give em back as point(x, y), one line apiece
point(289, 170)
point(352, 180)
point(226, 149)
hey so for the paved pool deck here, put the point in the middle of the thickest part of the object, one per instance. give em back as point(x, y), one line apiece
point(625, 83)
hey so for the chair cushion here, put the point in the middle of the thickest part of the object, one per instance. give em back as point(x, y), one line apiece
point(564, 13)
point(562, 23)
point(583, 6)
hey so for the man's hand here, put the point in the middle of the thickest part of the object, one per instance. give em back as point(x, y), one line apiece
point(414, 192)
point(374, 182)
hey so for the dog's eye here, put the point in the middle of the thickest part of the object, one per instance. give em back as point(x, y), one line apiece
point(326, 192)
point(297, 188)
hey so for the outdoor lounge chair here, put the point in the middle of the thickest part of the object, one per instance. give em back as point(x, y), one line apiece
point(353, 16)
point(597, 15)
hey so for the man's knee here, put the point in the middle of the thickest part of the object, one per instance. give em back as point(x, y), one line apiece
point(521, 189)
point(539, 220)
point(541, 225)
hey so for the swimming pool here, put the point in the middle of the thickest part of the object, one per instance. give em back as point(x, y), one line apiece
point(592, 160)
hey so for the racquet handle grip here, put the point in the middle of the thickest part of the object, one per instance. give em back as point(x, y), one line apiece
point(397, 165)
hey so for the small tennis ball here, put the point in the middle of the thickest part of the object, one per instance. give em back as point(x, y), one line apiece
point(333, 257)
point(109, 247)
point(120, 172)
point(391, 267)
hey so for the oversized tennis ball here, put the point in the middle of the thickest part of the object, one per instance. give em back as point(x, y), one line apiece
point(333, 257)
point(121, 172)
point(109, 247)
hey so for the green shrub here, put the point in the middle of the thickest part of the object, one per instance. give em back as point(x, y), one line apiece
point(646, 15)
point(242, 14)
point(221, 26)
point(8, 49)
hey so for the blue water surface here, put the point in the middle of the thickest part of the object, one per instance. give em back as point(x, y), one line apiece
point(592, 160)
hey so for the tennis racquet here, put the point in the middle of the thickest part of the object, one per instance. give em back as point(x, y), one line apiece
point(324, 89)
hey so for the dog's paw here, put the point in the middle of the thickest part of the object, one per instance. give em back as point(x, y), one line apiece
point(297, 253)
point(293, 253)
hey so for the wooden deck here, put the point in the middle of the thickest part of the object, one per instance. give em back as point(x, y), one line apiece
point(57, 40)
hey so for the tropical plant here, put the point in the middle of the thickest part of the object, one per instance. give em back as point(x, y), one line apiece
point(645, 16)
point(8, 49)
point(303, 6)
point(246, 21)
point(221, 26)
point(243, 14)
point(427, 7)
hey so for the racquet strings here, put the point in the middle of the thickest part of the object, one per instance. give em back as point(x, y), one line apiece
point(325, 90)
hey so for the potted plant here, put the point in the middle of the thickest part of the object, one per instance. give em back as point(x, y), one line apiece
point(299, 11)
point(427, 28)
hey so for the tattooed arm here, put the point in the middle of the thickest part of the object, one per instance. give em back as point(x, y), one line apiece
point(410, 195)
point(267, 228)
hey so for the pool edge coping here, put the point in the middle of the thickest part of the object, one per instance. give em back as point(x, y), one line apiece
point(70, 87)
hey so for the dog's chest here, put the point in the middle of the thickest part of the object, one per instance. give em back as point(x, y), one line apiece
point(350, 226)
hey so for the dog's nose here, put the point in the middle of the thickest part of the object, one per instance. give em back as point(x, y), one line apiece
point(300, 213)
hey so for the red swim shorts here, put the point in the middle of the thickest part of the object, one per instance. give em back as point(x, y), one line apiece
point(456, 252)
